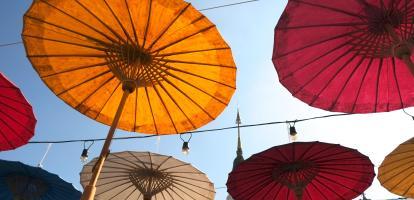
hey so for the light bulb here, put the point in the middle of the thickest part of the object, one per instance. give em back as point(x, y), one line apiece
point(186, 148)
point(84, 156)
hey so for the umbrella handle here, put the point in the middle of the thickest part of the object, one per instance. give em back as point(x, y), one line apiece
point(90, 189)
point(405, 52)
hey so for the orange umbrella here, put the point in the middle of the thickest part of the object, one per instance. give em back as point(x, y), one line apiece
point(150, 66)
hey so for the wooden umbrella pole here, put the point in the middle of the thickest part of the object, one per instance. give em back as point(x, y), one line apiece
point(90, 189)
point(402, 51)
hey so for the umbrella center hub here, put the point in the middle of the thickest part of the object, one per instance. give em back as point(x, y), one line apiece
point(379, 18)
point(26, 187)
point(131, 63)
point(295, 175)
point(150, 181)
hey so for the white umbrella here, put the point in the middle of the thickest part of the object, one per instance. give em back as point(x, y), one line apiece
point(145, 176)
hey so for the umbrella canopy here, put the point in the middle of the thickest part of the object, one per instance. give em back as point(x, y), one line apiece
point(304, 171)
point(396, 172)
point(22, 182)
point(179, 71)
point(150, 66)
point(347, 56)
point(145, 176)
point(17, 120)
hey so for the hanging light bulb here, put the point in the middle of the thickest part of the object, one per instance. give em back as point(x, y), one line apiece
point(292, 132)
point(186, 148)
point(84, 156)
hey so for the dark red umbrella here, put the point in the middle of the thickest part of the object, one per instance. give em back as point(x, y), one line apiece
point(350, 56)
point(17, 121)
point(304, 171)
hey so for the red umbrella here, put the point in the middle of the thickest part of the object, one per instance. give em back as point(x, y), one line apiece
point(349, 56)
point(304, 171)
point(17, 121)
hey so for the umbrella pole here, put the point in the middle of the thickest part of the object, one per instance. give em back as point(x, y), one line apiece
point(90, 189)
point(401, 51)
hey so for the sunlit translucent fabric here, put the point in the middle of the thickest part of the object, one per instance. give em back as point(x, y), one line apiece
point(191, 74)
point(338, 55)
point(127, 175)
point(302, 170)
point(22, 182)
point(396, 172)
point(17, 120)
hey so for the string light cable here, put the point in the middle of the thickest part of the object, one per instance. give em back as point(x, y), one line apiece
point(204, 9)
point(191, 132)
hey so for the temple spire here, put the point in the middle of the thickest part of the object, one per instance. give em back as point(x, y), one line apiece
point(239, 151)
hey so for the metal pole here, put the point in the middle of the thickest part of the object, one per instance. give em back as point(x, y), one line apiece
point(90, 189)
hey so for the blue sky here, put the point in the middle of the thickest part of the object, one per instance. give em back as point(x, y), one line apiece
point(249, 31)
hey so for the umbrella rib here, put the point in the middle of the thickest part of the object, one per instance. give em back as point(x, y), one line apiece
point(409, 188)
point(132, 23)
point(81, 22)
point(188, 187)
point(377, 85)
point(173, 167)
point(332, 9)
point(175, 192)
point(317, 43)
point(106, 102)
point(317, 189)
point(169, 26)
point(330, 189)
point(83, 82)
point(139, 160)
point(396, 82)
point(191, 51)
point(102, 22)
point(93, 92)
point(319, 152)
point(163, 103)
point(163, 162)
point(376, 38)
point(78, 68)
point(98, 193)
point(16, 110)
point(186, 95)
point(251, 191)
point(344, 186)
point(186, 192)
point(319, 57)
point(397, 167)
point(132, 192)
point(172, 98)
point(135, 109)
point(148, 23)
point(194, 63)
point(192, 85)
point(16, 101)
point(5, 138)
point(307, 150)
point(182, 39)
point(346, 83)
point(333, 77)
point(122, 191)
point(187, 178)
point(68, 30)
point(16, 121)
point(360, 85)
point(196, 75)
point(64, 42)
point(118, 21)
point(152, 112)
point(322, 25)
point(128, 161)
point(349, 178)
point(66, 55)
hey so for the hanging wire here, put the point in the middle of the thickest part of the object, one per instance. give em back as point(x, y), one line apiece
point(10, 44)
point(204, 9)
point(412, 116)
point(191, 132)
point(228, 5)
